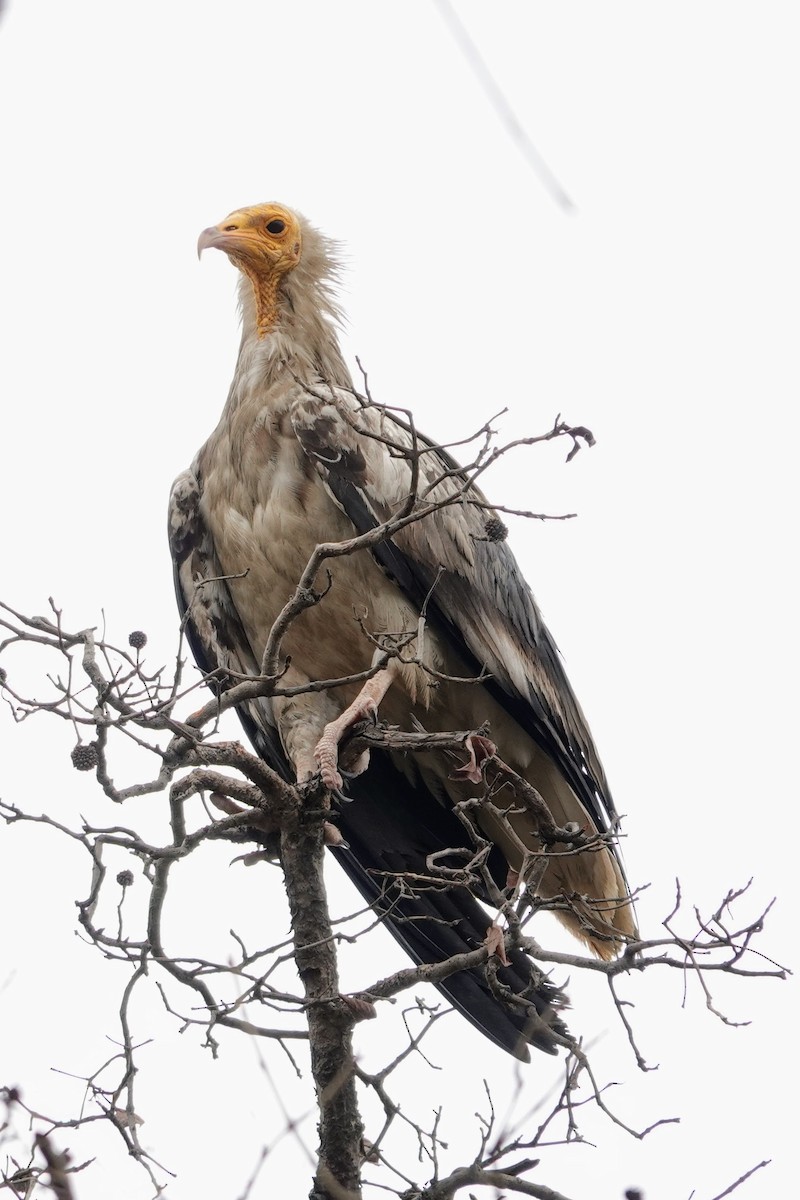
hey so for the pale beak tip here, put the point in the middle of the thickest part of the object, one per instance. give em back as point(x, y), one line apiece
point(206, 239)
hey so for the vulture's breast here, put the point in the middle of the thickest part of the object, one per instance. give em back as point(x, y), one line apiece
point(267, 507)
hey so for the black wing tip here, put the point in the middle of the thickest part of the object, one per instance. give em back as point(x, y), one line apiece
point(433, 927)
point(513, 1033)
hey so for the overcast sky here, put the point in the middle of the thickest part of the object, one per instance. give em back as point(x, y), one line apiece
point(662, 314)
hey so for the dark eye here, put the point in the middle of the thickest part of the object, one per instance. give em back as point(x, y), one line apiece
point(276, 226)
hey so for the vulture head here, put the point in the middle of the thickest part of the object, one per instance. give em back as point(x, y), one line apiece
point(269, 243)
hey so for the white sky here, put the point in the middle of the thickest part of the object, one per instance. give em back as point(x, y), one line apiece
point(662, 315)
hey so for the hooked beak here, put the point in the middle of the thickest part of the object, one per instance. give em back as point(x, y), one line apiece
point(212, 239)
point(234, 238)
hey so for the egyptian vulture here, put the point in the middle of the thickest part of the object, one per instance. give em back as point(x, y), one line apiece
point(297, 459)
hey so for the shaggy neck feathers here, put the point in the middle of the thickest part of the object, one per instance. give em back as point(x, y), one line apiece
point(289, 323)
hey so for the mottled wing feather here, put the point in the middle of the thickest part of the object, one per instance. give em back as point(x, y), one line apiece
point(472, 586)
point(211, 622)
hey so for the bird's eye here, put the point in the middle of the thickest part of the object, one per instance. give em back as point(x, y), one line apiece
point(276, 226)
point(230, 228)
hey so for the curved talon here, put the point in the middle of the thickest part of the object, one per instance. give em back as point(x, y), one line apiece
point(480, 750)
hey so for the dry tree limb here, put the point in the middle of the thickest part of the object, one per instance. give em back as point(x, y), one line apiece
point(106, 693)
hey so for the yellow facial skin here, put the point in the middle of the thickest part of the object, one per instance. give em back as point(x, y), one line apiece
point(265, 243)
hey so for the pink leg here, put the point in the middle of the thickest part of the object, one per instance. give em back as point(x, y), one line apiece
point(364, 706)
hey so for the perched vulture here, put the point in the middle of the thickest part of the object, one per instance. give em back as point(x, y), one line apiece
point(296, 460)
